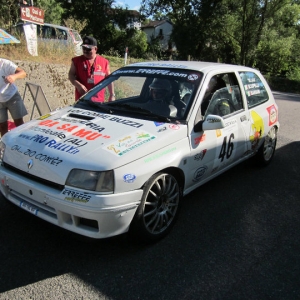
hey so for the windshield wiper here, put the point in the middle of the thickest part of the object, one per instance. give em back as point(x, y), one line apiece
point(130, 107)
point(141, 110)
point(102, 106)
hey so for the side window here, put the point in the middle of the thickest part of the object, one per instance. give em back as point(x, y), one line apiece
point(38, 30)
point(61, 34)
point(48, 32)
point(185, 91)
point(222, 96)
point(53, 33)
point(45, 32)
point(254, 88)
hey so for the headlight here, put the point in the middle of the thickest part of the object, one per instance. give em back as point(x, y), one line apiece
point(91, 180)
point(2, 150)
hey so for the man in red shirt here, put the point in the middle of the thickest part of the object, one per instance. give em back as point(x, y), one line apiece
point(89, 69)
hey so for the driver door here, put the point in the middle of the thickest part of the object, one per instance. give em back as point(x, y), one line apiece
point(212, 151)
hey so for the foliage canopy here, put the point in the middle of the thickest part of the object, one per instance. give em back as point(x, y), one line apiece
point(257, 33)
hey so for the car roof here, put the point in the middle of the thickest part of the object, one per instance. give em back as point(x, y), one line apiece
point(58, 26)
point(52, 25)
point(201, 66)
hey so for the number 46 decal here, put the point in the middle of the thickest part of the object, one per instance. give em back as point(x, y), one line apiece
point(227, 148)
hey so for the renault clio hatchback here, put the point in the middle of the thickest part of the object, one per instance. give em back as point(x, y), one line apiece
point(101, 168)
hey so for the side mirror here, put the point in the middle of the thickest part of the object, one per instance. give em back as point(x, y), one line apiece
point(211, 122)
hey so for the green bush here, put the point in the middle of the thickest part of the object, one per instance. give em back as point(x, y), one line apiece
point(281, 84)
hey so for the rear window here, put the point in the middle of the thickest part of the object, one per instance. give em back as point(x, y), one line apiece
point(255, 90)
point(76, 35)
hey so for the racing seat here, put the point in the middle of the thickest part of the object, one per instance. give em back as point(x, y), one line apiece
point(221, 103)
point(216, 83)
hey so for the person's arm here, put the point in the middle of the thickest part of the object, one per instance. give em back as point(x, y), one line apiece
point(19, 74)
point(72, 77)
point(110, 88)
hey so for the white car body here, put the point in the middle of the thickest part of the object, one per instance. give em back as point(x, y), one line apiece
point(38, 156)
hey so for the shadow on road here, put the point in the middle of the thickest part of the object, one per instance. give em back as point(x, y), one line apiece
point(237, 237)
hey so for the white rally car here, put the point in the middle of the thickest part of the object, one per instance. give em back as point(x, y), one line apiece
point(101, 168)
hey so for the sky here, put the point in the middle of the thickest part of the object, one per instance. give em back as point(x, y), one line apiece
point(132, 4)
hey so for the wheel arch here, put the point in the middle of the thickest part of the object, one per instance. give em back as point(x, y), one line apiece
point(177, 173)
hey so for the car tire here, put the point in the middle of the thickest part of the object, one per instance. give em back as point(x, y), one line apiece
point(266, 151)
point(158, 209)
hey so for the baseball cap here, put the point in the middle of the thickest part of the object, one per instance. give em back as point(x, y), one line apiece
point(89, 42)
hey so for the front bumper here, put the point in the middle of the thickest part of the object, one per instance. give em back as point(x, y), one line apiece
point(98, 217)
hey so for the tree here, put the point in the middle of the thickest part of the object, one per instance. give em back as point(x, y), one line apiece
point(75, 24)
point(9, 13)
point(218, 30)
point(98, 17)
point(53, 11)
point(137, 43)
point(277, 51)
point(191, 21)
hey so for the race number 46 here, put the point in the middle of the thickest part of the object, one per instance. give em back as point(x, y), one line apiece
point(227, 147)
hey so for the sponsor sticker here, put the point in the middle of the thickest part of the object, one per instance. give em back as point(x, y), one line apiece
point(159, 154)
point(44, 117)
point(213, 120)
point(193, 77)
point(199, 139)
point(200, 155)
point(174, 126)
point(72, 195)
point(272, 114)
point(199, 173)
point(162, 129)
point(129, 178)
point(129, 143)
point(218, 132)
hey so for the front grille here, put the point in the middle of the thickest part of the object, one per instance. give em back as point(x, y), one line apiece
point(49, 183)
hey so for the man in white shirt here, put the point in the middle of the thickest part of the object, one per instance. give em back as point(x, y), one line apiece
point(10, 99)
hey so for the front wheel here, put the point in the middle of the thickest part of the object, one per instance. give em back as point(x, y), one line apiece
point(158, 210)
point(267, 150)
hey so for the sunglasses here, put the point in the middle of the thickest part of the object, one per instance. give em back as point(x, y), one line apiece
point(86, 49)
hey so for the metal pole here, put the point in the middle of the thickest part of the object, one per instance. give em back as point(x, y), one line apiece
point(125, 58)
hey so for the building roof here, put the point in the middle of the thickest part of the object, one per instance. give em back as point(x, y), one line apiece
point(153, 24)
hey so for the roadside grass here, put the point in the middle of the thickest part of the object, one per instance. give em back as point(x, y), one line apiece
point(52, 54)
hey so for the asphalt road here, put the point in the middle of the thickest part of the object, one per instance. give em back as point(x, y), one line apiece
point(237, 237)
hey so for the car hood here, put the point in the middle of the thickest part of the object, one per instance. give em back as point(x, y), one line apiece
point(49, 147)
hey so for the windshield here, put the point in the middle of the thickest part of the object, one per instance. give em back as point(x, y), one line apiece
point(145, 93)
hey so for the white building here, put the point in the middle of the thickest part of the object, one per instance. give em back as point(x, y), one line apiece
point(159, 29)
